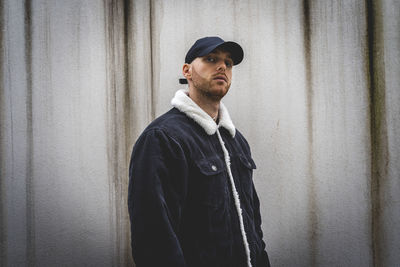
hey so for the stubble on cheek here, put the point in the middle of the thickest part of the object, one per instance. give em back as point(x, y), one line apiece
point(200, 81)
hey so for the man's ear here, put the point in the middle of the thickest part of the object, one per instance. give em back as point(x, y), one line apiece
point(187, 70)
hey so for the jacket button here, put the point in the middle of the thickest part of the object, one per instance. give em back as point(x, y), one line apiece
point(214, 168)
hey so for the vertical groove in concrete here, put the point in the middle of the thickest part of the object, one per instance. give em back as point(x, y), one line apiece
point(117, 62)
point(127, 120)
point(110, 84)
point(127, 62)
point(313, 222)
point(120, 121)
point(152, 55)
point(3, 225)
point(378, 127)
point(116, 144)
point(30, 197)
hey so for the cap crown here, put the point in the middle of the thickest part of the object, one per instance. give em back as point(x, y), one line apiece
point(206, 45)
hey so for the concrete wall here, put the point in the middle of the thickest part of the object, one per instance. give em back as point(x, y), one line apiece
point(317, 95)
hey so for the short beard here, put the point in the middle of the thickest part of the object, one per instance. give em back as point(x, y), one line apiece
point(204, 88)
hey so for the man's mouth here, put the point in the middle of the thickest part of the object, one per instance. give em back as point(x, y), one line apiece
point(221, 77)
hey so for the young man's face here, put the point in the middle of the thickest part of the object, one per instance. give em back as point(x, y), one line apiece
point(211, 75)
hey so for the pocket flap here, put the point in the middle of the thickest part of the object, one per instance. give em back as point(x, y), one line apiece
point(210, 166)
point(247, 161)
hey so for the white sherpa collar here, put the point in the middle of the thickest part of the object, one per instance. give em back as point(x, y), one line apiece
point(185, 104)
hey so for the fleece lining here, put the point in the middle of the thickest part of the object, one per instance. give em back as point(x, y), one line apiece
point(185, 104)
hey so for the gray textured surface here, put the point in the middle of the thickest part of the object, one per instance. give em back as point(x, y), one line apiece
point(317, 96)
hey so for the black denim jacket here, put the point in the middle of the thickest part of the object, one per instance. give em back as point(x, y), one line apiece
point(180, 199)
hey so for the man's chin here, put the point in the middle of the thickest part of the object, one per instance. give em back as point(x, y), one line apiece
point(217, 93)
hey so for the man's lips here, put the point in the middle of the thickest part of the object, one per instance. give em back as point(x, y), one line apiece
point(220, 77)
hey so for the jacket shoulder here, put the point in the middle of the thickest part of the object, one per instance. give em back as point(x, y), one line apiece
point(169, 121)
point(173, 123)
point(165, 119)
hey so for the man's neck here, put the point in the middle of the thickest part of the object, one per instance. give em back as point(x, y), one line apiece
point(210, 106)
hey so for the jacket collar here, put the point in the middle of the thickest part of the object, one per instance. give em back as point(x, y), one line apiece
point(185, 104)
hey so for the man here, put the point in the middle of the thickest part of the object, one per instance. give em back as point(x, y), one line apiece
point(191, 198)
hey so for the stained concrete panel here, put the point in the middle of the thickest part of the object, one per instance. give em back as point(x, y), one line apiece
point(80, 80)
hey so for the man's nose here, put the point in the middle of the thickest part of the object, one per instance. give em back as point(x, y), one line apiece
point(222, 66)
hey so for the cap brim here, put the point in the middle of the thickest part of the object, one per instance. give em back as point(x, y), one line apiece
point(233, 48)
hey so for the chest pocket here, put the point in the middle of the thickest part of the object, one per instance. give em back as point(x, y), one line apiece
point(247, 161)
point(245, 170)
point(211, 181)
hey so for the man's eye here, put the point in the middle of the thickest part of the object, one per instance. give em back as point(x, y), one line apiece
point(228, 64)
point(211, 59)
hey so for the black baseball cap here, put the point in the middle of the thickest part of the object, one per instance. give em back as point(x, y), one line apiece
point(206, 45)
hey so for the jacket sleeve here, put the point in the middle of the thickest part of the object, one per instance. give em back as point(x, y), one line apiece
point(262, 257)
point(157, 188)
